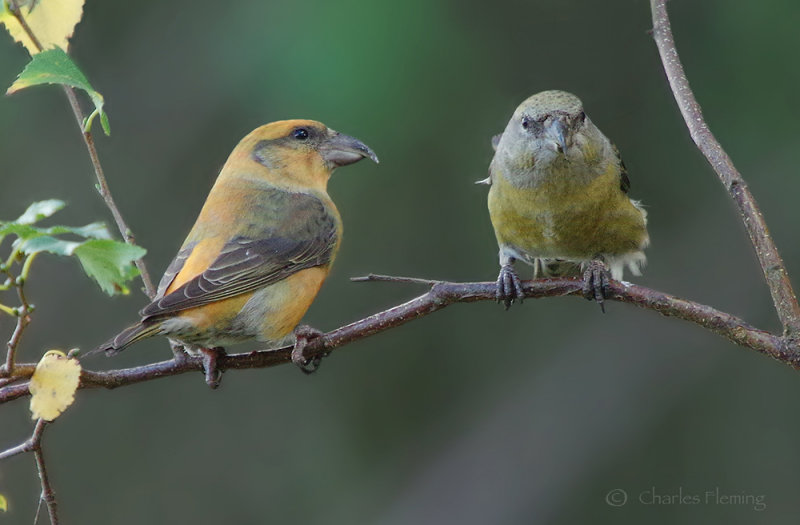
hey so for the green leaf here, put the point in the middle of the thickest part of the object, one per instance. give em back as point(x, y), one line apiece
point(95, 230)
point(40, 210)
point(23, 231)
point(54, 66)
point(110, 263)
point(45, 243)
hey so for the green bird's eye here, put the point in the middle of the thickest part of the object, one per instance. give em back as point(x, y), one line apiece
point(300, 133)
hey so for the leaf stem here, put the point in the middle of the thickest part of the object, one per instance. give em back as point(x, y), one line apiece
point(26, 267)
point(8, 310)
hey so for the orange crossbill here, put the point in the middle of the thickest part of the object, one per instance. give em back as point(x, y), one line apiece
point(559, 199)
point(262, 245)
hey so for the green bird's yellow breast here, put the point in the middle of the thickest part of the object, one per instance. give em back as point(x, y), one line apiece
point(564, 216)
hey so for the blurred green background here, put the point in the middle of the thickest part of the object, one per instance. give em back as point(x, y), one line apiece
point(472, 415)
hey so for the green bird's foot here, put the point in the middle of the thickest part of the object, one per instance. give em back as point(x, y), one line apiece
point(509, 287)
point(595, 282)
point(213, 373)
point(303, 334)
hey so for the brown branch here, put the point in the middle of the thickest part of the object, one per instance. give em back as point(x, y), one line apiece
point(34, 444)
point(23, 320)
point(27, 446)
point(775, 273)
point(21, 372)
point(441, 295)
point(374, 277)
point(88, 140)
point(105, 192)
point(48, 495)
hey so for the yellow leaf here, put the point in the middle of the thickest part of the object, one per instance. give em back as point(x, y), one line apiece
point(51, 21)
point(53, 385)
point(3, 503)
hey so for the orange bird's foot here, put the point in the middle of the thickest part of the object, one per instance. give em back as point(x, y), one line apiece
point(303, 334)
point(210, 357)
point(509, 287)
point(595, 282)
point(178, 351)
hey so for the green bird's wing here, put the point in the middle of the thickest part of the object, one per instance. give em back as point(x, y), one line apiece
point(303, 235)
point(624, 181)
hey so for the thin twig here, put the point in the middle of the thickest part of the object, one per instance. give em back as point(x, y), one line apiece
point(19, 449)
point(88, 140)
point(21, 372)
point(441, 295)
point(775, 273)
point(29, 444)
point(105, 192)
point(376, 277)
point(23, 320)
point(34, 444)
point(48, 495)
point(14, 8)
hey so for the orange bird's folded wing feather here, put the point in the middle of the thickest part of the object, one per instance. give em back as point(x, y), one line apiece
point(303, 235)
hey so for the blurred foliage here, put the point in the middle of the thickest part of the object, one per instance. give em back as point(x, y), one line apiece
point(472, 415)
point(108, 262)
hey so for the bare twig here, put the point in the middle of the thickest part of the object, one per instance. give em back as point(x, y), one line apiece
point(23, 320)
point(777, 278)
point(48, 495)
point(29, 445)
point(392, 279)
point(34, 444)
point(88, 140)
point(441, 295)
point(105, 192)
point(14, 8)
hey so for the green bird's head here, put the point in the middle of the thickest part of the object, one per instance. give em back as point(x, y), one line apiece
point(550, 134)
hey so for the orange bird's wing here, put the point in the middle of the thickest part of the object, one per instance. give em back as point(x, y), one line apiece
point(302, 234)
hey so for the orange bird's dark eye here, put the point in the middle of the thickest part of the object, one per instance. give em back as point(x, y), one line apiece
point(300, 133)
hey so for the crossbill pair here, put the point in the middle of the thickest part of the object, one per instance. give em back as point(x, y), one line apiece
point(268, 232)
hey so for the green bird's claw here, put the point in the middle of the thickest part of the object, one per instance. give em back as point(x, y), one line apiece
point(509, 287)
point(595, 282)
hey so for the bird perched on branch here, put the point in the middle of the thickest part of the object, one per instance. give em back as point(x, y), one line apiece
point(559, 199)
point(260, 249)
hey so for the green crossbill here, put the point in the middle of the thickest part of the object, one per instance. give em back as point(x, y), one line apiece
point(262, 245)
point(559, 199)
